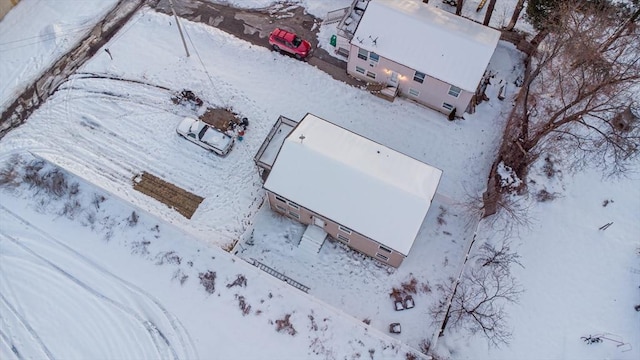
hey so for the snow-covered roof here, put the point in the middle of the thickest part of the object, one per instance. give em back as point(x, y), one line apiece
point(427, 39)
point(360, 184)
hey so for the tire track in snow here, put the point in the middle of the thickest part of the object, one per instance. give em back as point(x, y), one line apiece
point(151, 328)
point(183, 337)
point(27, 326)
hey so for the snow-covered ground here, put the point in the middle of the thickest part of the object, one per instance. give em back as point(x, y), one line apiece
point(139, 280)
point(26, 50)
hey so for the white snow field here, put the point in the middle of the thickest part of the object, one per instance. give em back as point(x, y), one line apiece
point(90, 280)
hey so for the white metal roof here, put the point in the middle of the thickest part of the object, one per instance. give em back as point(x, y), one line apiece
point(427, 39)
point(355, 182)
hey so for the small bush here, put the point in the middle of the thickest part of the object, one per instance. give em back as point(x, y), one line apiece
point(71, 208)
point(208, 281)
point(133, 219)
point(239, 281)
point(313, 326)
point(168, 257)
point(410, 286)
point(97, 200)
point(180, 276)
point(244, 307)
point(425, 288)
point(9, 175)
point(32, 175)
point(441, 220)
point(544, 196)
point(54, 182)
point(411, 356)
point(424, 346)
point(140, 247)
point(549, 167)
point(284, 325)
point(607, 202)
point(74, 189)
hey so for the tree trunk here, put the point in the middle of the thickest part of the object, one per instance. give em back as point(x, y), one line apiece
point(487, 16)
point(516, 15)
point(459, 7)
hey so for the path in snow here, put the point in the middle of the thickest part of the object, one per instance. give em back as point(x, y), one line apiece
point(80, 298)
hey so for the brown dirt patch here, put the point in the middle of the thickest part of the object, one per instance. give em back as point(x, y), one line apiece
point(174, 197)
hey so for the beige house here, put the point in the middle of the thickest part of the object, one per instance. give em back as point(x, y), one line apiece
point(365, 195)
point(416, 50)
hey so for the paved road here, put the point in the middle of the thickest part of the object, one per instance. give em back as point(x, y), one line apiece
point(255, 25)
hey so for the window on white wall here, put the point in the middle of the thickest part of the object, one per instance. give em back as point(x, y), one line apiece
point(281, 199)
point(371, 74)
point(454, 91)
point(419, 77)
point(414, 92)
point(295, 215)
point(360, 70)
point(447, 106)
point(374, 57)
point(363, 54)
point(281, 208)
point(294, 205)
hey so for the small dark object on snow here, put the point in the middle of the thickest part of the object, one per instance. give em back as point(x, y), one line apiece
point(408, 302)
point(395, 328)
point(591, 340)
point(187, 96)
point(244, 122)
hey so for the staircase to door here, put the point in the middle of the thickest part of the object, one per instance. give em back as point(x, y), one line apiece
point(312, 239)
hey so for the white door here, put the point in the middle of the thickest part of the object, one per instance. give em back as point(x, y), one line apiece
point(393, 79)
point(318, 222)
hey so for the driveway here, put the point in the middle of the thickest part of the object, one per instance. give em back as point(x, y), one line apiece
point(255, 25)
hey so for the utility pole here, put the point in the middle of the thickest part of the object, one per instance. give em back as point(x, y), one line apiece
point(179, 28)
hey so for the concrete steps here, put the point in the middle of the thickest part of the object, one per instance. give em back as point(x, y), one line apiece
point(312, 240)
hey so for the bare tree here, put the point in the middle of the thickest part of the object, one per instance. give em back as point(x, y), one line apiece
point(500, 256)
point(516, 14)
point(583, 76)
point(477, 303)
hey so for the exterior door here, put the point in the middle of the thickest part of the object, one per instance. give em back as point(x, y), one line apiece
point(318, 222)
point(393, 79)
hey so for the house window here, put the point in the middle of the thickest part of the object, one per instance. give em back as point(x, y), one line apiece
point(387, 250)
point(371, 74)
point(363, 54)
point(281, 199)
point(281, 208)
point(454, 91)
point(294, 205)
point(380, 256)
point(447, 106)
point(295, 215)
point(343, 238)
point(419, 77)
point(344, 229)
point(374, 57)
point(360, 70)
point(414, 92)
